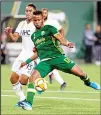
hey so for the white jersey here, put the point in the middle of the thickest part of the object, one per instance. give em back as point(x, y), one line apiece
point(54, 23)
point(25, 30)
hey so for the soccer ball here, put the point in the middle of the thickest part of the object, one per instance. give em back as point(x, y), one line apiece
point(41, 84)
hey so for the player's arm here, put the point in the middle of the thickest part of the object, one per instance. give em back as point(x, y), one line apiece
point(63, 41)
point(61, 31)
point(60, 38)
point(58, 26)
point(35, 55)
point(13, 36)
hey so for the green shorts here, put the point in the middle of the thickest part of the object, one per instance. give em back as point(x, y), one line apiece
point(61, 63)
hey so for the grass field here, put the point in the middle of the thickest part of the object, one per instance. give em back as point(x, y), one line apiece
point(76, 99)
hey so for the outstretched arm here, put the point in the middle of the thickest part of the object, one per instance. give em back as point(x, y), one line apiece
point(63, 41)
point(35, 55)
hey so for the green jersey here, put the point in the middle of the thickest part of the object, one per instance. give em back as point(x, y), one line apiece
point(46, 45)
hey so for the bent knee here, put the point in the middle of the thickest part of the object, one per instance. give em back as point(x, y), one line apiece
point(14, 78)
point(23, 82)
point(23, 79)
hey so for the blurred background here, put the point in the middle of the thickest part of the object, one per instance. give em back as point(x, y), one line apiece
point(71, 15)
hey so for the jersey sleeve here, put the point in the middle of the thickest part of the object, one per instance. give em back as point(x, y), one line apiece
point(53, 30)
point(19, 27)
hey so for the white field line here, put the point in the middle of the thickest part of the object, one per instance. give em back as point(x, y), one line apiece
point(49, 91)
point(58, 98)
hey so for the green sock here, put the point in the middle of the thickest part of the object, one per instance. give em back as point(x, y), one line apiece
point(30, 93)
point(86, 80)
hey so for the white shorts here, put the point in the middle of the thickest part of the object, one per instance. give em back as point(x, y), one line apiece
point(26, 70)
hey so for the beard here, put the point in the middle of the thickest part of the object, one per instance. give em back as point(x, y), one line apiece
point(38, 27)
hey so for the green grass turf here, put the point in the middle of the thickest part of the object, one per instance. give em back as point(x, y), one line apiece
point(77, 99)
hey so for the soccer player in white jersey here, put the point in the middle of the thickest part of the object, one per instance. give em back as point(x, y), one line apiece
point(24, 29)
point(56, 24)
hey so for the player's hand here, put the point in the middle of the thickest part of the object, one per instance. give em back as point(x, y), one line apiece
point(23, 64)
point(70, 45)
point(8, 30)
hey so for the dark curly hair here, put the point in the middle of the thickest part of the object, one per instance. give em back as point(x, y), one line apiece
point(37, 12)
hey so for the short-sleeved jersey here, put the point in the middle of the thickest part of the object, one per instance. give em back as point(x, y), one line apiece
point(46, 45)
point(25, 30)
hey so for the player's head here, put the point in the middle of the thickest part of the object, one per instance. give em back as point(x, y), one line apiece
point(30, 8)
point(45, 13)
point(38, 19)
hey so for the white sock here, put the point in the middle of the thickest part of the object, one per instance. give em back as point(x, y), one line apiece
point(57, 77)
point(18, 90)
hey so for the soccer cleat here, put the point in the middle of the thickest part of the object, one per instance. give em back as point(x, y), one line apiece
point(27, 105)
point(20, 103)
point(63, 86)
point(94, 85)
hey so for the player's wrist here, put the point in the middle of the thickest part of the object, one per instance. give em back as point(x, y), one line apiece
point(28, 60)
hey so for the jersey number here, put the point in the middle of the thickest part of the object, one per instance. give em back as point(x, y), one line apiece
point(30, 67)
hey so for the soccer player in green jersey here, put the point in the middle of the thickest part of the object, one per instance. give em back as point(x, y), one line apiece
point(47, 49)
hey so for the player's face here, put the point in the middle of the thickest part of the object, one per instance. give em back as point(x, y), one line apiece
point(29, 12)
point(38, 21)
point(45, 14)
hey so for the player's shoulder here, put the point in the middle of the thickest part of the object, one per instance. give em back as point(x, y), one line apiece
point(48, 26)
point(52, 20)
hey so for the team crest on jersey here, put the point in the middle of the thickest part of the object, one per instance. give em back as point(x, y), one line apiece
point(43, 33)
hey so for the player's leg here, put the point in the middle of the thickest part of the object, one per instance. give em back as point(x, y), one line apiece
point(15, 80)
point(26, 72)
point(41, 70)
point(59, 79)
point(76, 70)
point(24, 77)
point(67, 65)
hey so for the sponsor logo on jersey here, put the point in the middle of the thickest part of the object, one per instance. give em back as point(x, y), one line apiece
point(38, 41)
point(25, 32)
